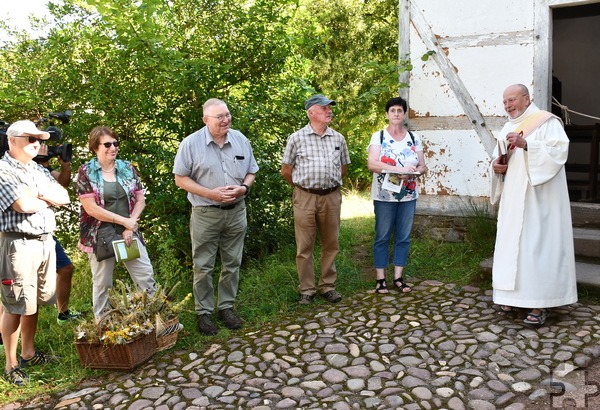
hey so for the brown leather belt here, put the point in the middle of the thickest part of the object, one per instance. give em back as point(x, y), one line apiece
point(325, 191)
point(20, 235)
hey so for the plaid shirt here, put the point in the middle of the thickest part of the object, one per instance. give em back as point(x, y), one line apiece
point(316, 160)
point(16, 180)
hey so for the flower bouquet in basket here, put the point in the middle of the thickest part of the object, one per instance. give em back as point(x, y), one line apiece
point(131, 331)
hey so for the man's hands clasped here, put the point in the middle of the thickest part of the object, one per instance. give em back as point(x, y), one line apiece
point(228, 194)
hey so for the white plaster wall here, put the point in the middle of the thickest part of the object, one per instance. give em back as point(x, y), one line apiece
point(468, 17)
point(485, 72)
point(458, 162)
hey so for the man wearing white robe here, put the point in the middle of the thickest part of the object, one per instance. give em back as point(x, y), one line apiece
point(534, 260)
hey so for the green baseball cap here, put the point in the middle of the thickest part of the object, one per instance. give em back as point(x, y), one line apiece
point(318, 99)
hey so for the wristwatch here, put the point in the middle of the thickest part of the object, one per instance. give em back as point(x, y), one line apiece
point(247, 188)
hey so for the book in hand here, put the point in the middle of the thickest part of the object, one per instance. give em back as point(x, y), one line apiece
point(413, 173)
point(502, 150)
point(125, 253)
point(393, 181)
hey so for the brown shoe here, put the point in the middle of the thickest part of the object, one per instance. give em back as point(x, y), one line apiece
point(230, 318)
point(206, 326)
point(306, 299)
point(332, 296)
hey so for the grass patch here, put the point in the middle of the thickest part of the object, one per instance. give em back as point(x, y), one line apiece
point(268, 291)
point(447, 262)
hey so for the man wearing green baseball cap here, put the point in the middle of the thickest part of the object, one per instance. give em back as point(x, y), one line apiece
point(315, 160)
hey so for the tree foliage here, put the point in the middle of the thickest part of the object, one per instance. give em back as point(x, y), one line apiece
point(146, 67)
point(354, 57)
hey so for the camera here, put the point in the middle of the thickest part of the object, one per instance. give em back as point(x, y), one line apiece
point(64, 151)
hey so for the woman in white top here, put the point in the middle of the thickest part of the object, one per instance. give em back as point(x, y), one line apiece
point(397, 153)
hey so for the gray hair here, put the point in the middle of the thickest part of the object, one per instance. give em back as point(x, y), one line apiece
point(212, 102)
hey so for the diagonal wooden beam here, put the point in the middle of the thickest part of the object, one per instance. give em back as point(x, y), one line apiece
point(456, 85)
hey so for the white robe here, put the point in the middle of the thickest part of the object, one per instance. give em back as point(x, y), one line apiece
point(534, 259)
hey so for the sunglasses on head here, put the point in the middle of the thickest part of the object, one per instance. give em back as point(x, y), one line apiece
point(31, 138)
point(108, 144)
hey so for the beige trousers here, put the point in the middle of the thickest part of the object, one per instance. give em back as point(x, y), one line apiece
point(314, 213)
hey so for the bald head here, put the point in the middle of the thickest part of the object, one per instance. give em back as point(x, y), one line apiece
point(516, 100)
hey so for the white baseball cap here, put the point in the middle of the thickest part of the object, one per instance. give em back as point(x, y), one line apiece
point(18, 128)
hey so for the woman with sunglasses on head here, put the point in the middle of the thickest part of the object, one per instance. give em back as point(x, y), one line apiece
point(112, 200)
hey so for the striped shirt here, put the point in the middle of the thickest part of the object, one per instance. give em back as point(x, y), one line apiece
point(16, 180)
point(316, 160)
point(200, 158)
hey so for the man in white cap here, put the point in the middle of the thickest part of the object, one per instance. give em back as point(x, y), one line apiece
point(314, 162)
point(27, 192)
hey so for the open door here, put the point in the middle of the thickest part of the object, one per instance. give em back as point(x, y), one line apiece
point(576, 63)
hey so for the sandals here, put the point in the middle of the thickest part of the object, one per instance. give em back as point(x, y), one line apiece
point(536, 318)
point(380, 286)
point(401, 285)
point(17, 376)
point(506, 308)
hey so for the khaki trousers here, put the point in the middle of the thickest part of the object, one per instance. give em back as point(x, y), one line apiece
point(314, 213)
point(31, 264)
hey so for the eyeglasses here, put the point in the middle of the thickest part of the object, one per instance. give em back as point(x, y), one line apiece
point(221, 117)
point(512, 100)
point(31, 138)
point(108, 144)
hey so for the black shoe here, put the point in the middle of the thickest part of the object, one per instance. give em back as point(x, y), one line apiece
point(230, 318)
point(332, 296)
point(206, 326)
point(37, 358)
point(17, 376)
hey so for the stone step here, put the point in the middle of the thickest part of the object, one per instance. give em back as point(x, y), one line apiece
point(587, 273)
point(585, 215)
point(587, 242)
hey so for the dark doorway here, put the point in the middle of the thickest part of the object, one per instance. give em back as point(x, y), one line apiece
point(576, 84)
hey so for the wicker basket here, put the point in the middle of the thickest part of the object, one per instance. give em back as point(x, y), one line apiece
point(168, 337)
point(122, 357)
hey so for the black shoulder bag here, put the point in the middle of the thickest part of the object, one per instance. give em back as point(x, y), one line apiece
point(104, 247)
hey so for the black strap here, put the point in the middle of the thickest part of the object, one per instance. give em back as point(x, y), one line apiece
point(412, 137)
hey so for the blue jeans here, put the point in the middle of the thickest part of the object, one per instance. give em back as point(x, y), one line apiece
point(392, 218)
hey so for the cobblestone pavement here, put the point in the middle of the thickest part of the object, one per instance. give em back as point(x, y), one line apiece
point(439, 346)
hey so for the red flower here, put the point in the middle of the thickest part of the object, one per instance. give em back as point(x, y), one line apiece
point(412, 185)
point(388, 160)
